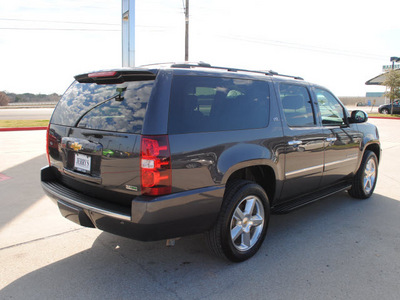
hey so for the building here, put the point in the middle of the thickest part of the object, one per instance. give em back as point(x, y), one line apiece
point(375, 98)
point(378, 80)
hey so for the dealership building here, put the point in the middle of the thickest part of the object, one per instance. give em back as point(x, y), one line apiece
point(378, 98)
point(375, 98)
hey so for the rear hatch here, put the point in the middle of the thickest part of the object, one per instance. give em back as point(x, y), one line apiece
point(94, 133)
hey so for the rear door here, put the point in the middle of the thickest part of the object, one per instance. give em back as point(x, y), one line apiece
point(304, 153)
point(96, 130)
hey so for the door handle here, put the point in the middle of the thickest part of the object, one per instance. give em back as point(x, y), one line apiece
point(331, 139)
point(295, 143)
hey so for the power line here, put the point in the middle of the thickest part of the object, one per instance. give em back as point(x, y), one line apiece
point(307, 47)
point(145, 27)
point(59, 22)
point(56, 29)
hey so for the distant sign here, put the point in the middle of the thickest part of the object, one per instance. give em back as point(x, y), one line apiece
point(389, 67)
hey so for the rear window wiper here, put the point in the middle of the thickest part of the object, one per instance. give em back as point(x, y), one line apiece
point(118, 97)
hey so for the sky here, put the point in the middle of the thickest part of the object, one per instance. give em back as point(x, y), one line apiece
point(338, 44)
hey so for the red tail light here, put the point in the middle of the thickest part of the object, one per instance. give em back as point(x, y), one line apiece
point(47, 144)
point(102, 74)
point(155, 165)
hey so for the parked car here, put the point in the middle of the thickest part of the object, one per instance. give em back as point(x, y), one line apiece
point(386, 108)
point(208, 149)
point(108, 152)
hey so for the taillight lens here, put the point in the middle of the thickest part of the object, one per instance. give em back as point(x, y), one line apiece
point(155, 165)
point(47, 144)
point(102, 74)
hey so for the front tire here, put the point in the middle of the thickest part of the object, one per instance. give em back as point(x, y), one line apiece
point(364, 181)
point(385, 111)
point(242, 223)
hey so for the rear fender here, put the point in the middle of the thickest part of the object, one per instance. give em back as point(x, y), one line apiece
point(245, 155)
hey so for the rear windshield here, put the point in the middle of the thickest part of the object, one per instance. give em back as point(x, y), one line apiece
point(109, 107)
point(206, 104)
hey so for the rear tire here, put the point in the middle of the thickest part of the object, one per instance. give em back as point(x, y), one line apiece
point(364, 181)
point(242, 223)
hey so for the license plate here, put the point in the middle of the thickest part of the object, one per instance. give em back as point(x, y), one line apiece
point(82, 162)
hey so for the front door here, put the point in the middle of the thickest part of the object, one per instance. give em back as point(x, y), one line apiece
point(304, 155)
point(342, 140)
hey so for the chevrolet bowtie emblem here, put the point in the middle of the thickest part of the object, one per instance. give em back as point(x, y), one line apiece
point(76, 146)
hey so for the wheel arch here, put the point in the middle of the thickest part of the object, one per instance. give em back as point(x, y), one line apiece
point(263, 175)
point(376, 148)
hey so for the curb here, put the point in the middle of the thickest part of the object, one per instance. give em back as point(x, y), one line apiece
point(23, 128)
point(384, 118)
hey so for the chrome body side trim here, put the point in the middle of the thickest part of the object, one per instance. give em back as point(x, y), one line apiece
point(305, 170)
point(340, 161)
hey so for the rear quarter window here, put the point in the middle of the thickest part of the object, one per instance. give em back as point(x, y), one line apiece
point(208, 104)
point(109, 107)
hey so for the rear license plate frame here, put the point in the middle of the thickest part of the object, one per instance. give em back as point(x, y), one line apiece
point(83, 163)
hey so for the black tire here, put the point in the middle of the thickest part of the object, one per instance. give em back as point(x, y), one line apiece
point(364, 181)
point(244, 212)
point(385, 111)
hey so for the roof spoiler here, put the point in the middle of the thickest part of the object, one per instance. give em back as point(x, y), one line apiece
point(115, 76)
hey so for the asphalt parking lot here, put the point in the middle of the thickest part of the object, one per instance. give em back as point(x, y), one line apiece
point(336, 248)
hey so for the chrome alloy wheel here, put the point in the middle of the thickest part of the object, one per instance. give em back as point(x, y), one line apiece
point(247, 223)
point(369, 176)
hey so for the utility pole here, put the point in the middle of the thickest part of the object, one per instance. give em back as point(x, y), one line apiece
point(187, 31)
point(128, 33)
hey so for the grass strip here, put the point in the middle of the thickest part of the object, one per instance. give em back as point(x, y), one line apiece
point(23, 123)
point(394, 116)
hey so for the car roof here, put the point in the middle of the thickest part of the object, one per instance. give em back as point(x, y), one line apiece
point(188, 68)
point(192, 69)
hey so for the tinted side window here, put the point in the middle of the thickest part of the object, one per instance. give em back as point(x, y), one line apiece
point(297, 105)
point(110, 107)
point(331, 111)
point(206, 104)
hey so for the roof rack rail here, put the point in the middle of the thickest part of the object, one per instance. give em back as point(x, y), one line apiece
point(156, 64)
point(206, 65)
point(284, 75)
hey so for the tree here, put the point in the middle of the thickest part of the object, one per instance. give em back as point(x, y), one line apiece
point(4, 99)
point(392, 83)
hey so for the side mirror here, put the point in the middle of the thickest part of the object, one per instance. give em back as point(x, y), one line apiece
point(358, 116)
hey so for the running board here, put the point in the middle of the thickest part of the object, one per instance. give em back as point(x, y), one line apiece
point(296, 203)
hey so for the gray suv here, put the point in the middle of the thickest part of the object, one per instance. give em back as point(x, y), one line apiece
point(164, 151)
